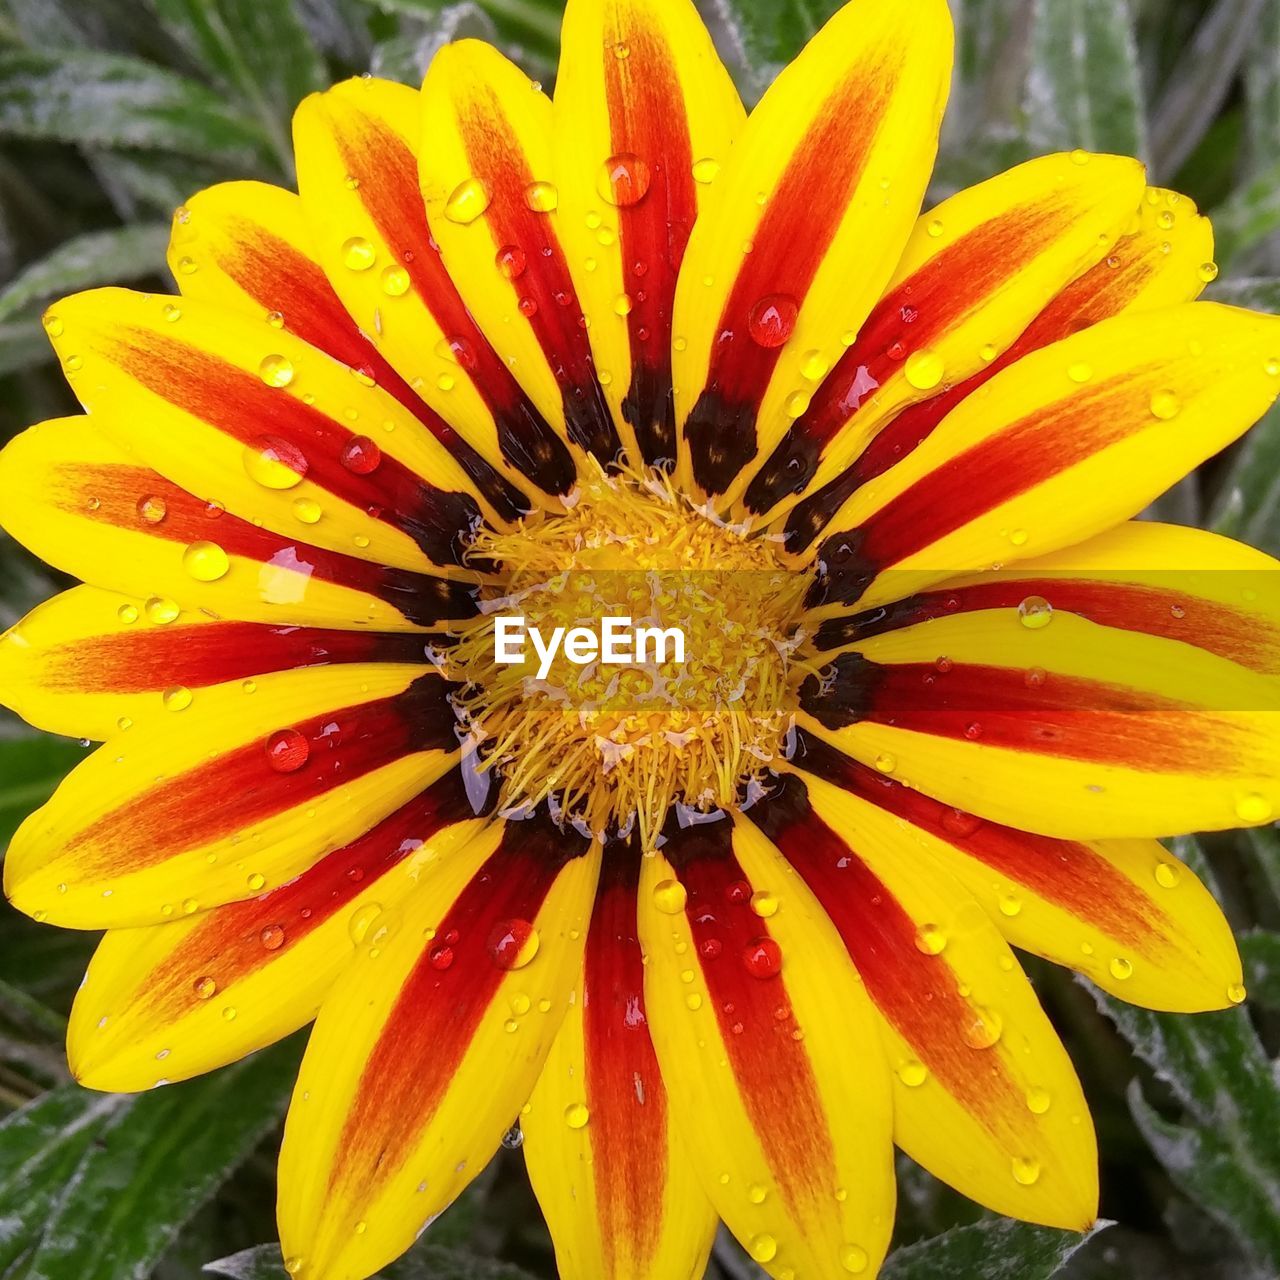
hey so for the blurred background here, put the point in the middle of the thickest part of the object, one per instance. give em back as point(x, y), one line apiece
point(113, 111)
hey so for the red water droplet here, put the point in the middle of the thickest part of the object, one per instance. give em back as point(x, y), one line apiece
point(738, 891)
point(957, 822)
point(272, 937)
point(274, 449)
point(627, 177)
point(511, 261)
point(973, 731)
point(440, 956)
point(528, 307)
point(287, 750)
point(360, 455)
point(762, 957)
point(506, 942)
point(773, 319)
point(709, 948)
point(896, 351)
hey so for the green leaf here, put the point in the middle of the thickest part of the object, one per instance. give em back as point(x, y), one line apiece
point(40, 1147)
point(406, 57)
point(758, 39)
point(1248, 505)
point(994, 1250)
point(153, 1166)
point(1262, 89)
point(1260, 951)
point(23, 346)
point(1083, 88)
point(532, 26)
point(31, 1038)
point(424, 1262)
point(1221, 1152)
point(31, 766)
point(84, 262)
point(100, 99)
point(1200, 81)
point(256, 49)
point(1247, 217)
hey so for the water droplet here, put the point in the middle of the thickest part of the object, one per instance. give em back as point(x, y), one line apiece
point(272, 937)
point(1208, 271)
point(188, 266)
point(53, 326)
point(395, 281)
point(1236, 993)
point(440, 955)
point(930, 939)
point(276, 370)
point(935, 227)
point(622, 304)
point(797, 403)
point(361, 919)
point(293, 1265)
point(152, 509)
point(706, 170)
point(172, 312)
point(1121, 968)
point(542, 197)
point(467, 202)
point(1168, 874)
point(1253, 808)
point(275, 319)
point(513, 1139)
point(511, 261)
point(1164, 220)
point(360, 455)
point(358, 254)
point(854, 1259)
point(307, 510)
point(762, 1247)
point(513, 943)
point(912, 1073)
point(1026, 1171)
point(1165, 405)
point(1038, 1100)
point(693, 1001)
point(773, 319)
point(206, 561)
point(576, 1115)
point(762, 957)
point(256, 881)
point(885, 762)
point(984, 1028)
point(229, 1013)
point(622, 50)
point(1079, 371)
point(204, 987)
point(669, 896)
point(176, 698)
point(528, 307)
point(287, 751)
point(764, 903)
point(624, 179)
point(274, 463)
point(1079, 157)
point(127, 613)
point(923, 369)
point(1035, 613)
point(1010, 905)
point(161, 610)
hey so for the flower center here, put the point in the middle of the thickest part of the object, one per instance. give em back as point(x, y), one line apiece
point(615, 746)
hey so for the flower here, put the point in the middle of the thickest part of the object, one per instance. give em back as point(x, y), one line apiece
point(719, 933)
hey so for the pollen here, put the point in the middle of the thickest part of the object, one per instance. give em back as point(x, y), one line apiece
point(612, 748)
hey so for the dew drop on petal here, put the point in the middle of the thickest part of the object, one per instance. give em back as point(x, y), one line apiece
point(1236, 993)
point(274, 463)
point(512, 944)
point(576, 1115)
point(669, 896)
point(272, 937)
point(1035, 613)
point(361, 456)
point(1038, 1100)
point(1165, 405)
point(176, 698)
point(204, 987)
point(542, 197)
point(930, 939)
point(152, 509)
point(762, 957)
point(205, 561)
point(762, 1247)
point(706, 170)
point(467, 202)
point(1253, 808)
point(923, 369)
point(1168, 874)
point(287, 751)
point(511, 261)
point(764, 903)
point(358, 254)
point(1079, 371)
point(854, 1259)
point(772, 320)
point(624, 179)
point(1026, 1172)
point(1121, 968)
point(984, 1028)
point(276, 370)
point(307, 510)
point(912, 1073)
point(395, 281)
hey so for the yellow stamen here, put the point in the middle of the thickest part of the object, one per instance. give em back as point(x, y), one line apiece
point(613, 747)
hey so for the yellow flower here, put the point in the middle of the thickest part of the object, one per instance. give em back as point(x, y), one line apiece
point(719, 933)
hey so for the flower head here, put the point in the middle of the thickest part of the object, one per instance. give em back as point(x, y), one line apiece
point(720, 931)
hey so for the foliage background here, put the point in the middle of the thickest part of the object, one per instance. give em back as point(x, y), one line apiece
point(112, 111)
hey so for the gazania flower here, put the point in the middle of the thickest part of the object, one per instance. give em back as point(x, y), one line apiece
point(719, 933)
